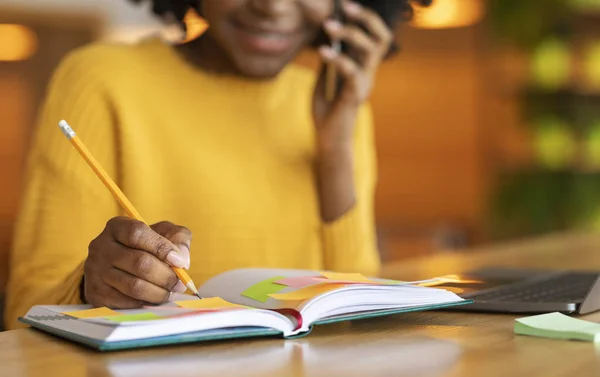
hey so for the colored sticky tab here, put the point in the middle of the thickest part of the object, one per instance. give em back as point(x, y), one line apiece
point(197, 313)
point(261, 291)
point(93, 313)
point(135, 317)
point(212, 303)
point(558, 326)
point(305, 281)
point(350, 277)
point(301, 281)
point(307, 292)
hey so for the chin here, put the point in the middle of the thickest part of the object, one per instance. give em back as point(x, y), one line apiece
point(261, 68)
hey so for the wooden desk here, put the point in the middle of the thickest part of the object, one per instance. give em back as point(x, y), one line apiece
point(419, 344)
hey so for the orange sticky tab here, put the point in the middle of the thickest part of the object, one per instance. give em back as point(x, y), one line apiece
point(354, 277)
point(211, 303)
point(93, 313)
point(306, 293)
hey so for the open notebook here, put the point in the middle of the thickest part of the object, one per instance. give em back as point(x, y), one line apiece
point(243, 303)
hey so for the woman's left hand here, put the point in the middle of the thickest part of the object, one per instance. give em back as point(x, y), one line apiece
point(335, 120)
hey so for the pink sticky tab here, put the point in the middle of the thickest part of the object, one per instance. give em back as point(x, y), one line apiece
point(300, 281)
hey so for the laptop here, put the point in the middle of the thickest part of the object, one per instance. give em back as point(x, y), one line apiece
point(511, 290)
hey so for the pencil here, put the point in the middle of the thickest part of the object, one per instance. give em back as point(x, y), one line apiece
point(116, 192)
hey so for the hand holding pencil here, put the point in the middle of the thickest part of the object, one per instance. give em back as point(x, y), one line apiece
point(130, 263)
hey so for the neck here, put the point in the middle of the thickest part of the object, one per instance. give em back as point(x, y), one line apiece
point(206, 54)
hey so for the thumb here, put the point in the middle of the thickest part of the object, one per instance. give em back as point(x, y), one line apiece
point(180, 236)
point(184, 250)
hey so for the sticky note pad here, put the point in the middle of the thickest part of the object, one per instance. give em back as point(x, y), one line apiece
point(306, 293)
point(211, 303)
point(558, 326)
point(350, 277)
point(135, 317)
point(261, 291)
point(93, 313)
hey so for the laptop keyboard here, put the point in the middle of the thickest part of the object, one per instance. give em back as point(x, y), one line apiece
point(570, 288)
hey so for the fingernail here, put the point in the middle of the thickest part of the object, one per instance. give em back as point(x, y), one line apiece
point(185, 253)
point(352, 7)
point(179, 287)
point(327, 52)
point(175, 259)
point(333, 25)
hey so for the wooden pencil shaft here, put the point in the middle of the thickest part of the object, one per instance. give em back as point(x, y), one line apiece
point(105, 178)
point(118, 194)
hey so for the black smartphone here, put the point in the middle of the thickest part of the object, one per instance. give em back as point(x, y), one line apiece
point(334, 81)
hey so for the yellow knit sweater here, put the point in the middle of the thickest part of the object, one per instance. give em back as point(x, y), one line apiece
point(229, 158)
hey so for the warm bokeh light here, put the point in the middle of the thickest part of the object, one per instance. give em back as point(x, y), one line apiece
point(195, 25)
point(592, 145)
point(446, 14)
point(551, 63)
point(585, 5)
point(554, 143)
point(18, 42)
point(450, 279)
point(592, 65)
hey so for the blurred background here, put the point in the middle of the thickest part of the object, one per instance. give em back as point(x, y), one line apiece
point(487, 123)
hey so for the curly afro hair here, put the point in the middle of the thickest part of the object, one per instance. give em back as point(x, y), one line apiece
point(391, 11)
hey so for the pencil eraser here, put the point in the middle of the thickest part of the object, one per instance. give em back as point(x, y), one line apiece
point(66, 129)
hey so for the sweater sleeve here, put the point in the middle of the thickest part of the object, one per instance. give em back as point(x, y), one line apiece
point(350, 243)
point(63, 206)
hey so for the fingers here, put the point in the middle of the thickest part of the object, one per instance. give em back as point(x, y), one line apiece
point(348, 69)
point(371, 21)
point(344, 64)
point(97, 293)
point(372, 45)
point(128, 264)
point(112, 298)
point(355, 37)
point(146, 267)
point(134, 287)
point(180, 236)
point(137, 235)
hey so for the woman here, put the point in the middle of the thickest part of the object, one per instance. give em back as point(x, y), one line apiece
point(222, 135)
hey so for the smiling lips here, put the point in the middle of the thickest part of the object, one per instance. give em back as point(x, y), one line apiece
point(264, 40)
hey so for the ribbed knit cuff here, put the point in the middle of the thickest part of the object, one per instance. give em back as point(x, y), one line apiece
point(346, 245)
point(70, 291)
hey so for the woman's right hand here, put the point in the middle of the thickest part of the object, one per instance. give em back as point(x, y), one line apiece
point(128, 264)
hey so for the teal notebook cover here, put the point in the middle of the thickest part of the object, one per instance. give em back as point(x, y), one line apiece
point(219, 334)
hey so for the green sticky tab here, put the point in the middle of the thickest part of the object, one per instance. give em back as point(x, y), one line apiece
point(558, 326)
point(261, 291)
point(135, 317)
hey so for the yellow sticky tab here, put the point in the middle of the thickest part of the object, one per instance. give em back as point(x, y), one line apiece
point(211, 303)
point(93, 313)
point(307, 292)
point(354, 277)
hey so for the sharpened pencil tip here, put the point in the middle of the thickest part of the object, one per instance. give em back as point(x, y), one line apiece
point(198, 295)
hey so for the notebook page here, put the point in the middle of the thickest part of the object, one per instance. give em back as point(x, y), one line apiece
point(231, 284)
point(102, 329)
point(358, 299)
point(55, 319)
point(255, 286)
